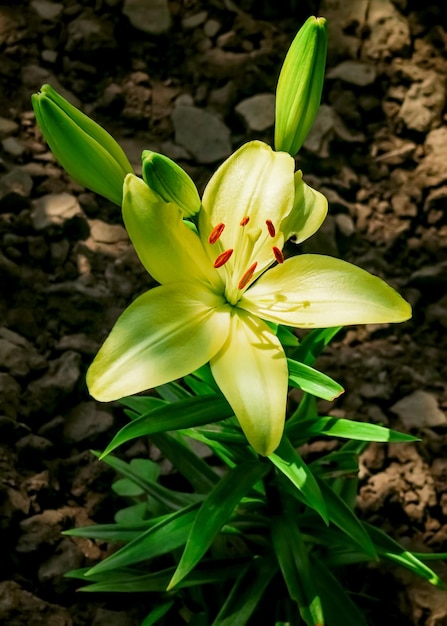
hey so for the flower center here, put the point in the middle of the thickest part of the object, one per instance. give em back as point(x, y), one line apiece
point(240, 267)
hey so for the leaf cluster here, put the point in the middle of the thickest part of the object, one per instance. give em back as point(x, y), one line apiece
point(251, 537)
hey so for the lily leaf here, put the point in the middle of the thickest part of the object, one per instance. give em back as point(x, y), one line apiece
point(215, 512)
point(289, 462)
point(185, 413)
point(313, 381)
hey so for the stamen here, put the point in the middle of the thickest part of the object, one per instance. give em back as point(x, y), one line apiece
point(223, 258)
point(278, 254)
point(270, 228)
point(216, 233)
point(247, 276)
point(244, 221)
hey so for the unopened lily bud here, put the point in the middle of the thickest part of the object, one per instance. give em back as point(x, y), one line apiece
point(170, 182)
point(84, 149)
point(300, 84)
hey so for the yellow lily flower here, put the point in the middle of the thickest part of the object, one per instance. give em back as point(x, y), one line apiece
point(217, 287)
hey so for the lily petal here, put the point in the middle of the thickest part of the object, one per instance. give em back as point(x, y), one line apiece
point(308, 213)
point(251, 371)
point(168, 249)
point(165, 334)
point(257, 183)
point(319, 291)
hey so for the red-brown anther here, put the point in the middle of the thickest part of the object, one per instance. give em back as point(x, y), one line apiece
point(270, 228)
point(247, 276)
point(216, 233)
point(244, 221)
point(223, 258)
point(278, 254)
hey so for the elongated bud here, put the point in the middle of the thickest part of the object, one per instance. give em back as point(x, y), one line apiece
point(84, 149)
point(171, 182)
point(300, 84)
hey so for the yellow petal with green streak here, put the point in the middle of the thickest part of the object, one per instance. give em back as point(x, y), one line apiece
point(319, 291)
point(308, 213)
point(251, 371)
point(168, 249)
point(165, 334)
point(254, 182)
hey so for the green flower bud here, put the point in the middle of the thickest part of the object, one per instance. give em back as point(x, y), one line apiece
point(84, 149)
point(170, 182)
point(300, 84)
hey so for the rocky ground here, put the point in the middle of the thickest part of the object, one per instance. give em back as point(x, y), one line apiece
point(194, 80)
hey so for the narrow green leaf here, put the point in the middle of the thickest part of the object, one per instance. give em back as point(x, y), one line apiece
point(338, 607)
point(113, 532)
point(172, 392)
point(393, 551)
point(339, 463)
point(171, 499)
point(430, 556)
point(350, 429)
point(157, 613)
point(169, 534)
point(289, 462)
point(342, 516)
point(185, 413)
point(307, 409)
point(142, 404)
point(197, 386)
point(314, 343)
point(247, 592)
point(200, 475)
point(215, 512)
point(128, 580)
point(312, 381)
point(293, 560)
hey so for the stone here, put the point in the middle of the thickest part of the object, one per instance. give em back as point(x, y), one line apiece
point(109, 238)
point(105, 617)
point(328, 125)
point(54, 209)
point(419, 410)
point(211, 27)
point(192, 21)
point(403, 206)
point(79, 343)
point(13, 147)
point(15, 359)
point(43, 528)
point(354, 73)
point(86, 421)
point(49, 11)
point(16, 182)
point(430, 277)
point(47, 392)
point(7, 127)
point(18, 606)
point(202, 134)
point(151, 17)
point(432, 170)
point(346, 21)
point(65, 558)
point(34, 76)
point(345, 224)
point(257, 112)
point(89, 33)
point(10, 393)
point(389, 32)
point(49, 56)
point(424, 102)
point(437, 313)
